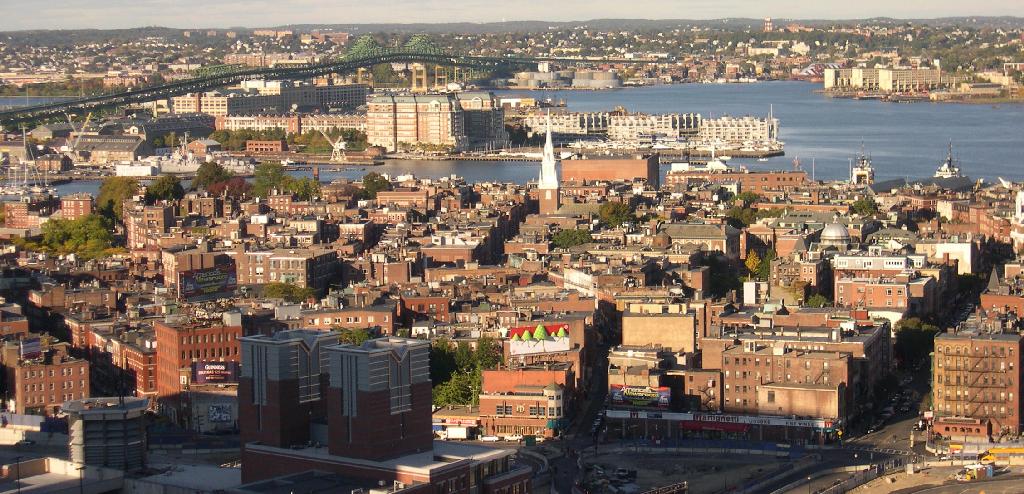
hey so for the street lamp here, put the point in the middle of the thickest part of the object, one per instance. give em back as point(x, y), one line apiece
point(17, 466)
point(808, 484)
point(81, 479)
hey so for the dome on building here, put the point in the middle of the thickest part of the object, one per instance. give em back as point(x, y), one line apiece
point(661, 241)
point(835, 234)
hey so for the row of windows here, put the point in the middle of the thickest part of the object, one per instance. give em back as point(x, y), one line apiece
point(63, 385)
point(41, 399)
point(958, 350)
point(64, 371)
point(212, 353)
point(207, 338)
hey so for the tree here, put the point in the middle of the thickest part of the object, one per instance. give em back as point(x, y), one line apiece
point(356, 336)
point(235, 187)
point(747, 198)
point(459, 390)
point(818, 300)
point(915, 339)
point(571, 238)
point(287, 291)
point(373, 183)
point(88, 237)
point(865, 206)
point(268, 177)
point(166, 187)
point(305, 188)
point(464, 356)
point(764, 270)
point(753, 262)
point(112, 194)
point(487, 354)
point(442, 360)
point(208, 174)
point(615, 213)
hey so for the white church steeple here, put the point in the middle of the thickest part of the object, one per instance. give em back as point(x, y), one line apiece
point(548, 173)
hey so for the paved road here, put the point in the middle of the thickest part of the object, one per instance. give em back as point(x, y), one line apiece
point(565, 469)
point(1015, 486)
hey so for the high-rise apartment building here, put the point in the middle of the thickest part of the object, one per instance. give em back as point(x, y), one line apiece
point(397, 122)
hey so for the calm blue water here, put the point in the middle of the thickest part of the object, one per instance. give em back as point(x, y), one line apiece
point(905, 140)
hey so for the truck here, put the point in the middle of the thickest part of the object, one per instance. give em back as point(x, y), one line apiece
point(457, 433)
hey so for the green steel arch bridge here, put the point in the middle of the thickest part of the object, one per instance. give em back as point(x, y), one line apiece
point(226, 75)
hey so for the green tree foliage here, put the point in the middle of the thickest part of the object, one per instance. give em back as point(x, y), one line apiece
point(818, 301)
point(112, 194)
point(234, 140)
point(314, 142)
point(272, 176)
point(571, 238)
point(764, 270)
point(267, 177)
point(915, 339)
point(305, 188)
point(353, 336)
point(457, 373)
point(287, 291)
point(615, 213)
point(487, 353)
point(460, 389)
point(373, 183)
point(865, 206)
point(746, 199)
point(442, 360)
point(166, 187)
point(208, 174)
point(88, 237)
point(743, 216)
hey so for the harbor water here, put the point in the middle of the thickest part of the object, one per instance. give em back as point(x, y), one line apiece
point(904, 140)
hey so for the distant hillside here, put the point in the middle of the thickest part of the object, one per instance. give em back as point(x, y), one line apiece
point(69, 37)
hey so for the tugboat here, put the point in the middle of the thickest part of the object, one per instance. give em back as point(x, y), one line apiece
point(948, 168)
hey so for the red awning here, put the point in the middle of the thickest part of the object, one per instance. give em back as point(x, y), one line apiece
point(700, 425)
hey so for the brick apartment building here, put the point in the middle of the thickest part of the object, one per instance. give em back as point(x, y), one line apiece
point(976, 375)
point(307, 268)
point(361, 412)
point(40, 382)
point(185, 340)
point(75, 206)
point(532, 400)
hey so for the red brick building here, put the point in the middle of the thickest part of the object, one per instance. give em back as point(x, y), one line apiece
point(75, 206)
point(182, 343)
point(534, 400)
point(590, 170)
point(41, 382)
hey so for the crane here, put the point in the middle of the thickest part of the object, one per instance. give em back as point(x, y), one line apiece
point(78, 132)
point(337, 147)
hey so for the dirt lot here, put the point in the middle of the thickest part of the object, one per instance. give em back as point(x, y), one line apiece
point(705, 474)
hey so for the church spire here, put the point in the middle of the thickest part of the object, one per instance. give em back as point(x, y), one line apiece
point(548, 174)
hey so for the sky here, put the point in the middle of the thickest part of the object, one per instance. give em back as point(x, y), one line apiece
point(105, 14)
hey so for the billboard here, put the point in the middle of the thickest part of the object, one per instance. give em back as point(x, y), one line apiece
point(542, 338)
point(640, 396)
point(30, 348)
point(208, 283)
point(214, 372)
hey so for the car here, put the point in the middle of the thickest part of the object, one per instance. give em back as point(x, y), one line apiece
point(490, 439)
point(25, 442)
point(514, 437)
